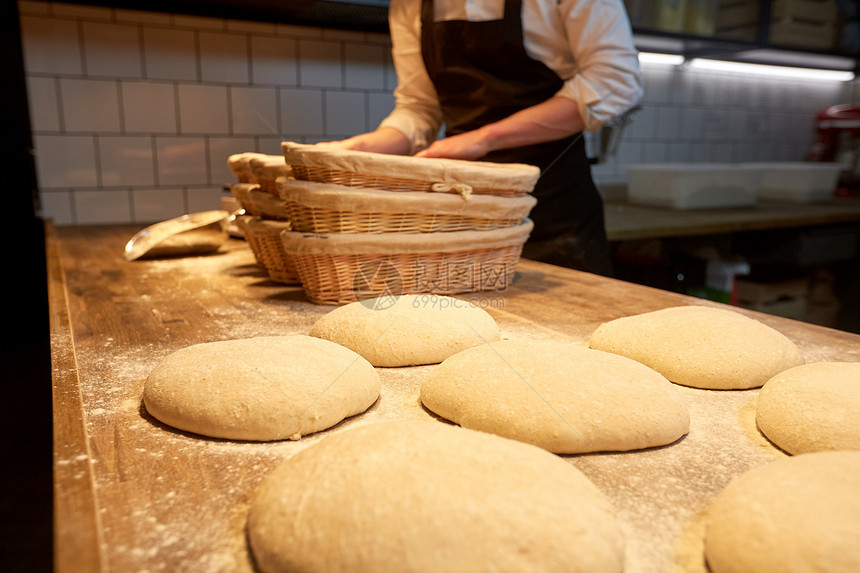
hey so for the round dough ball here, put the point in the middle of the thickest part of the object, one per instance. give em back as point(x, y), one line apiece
point(261, 389)
point(812, 408)
point(557, 395)
point(408, 330)
point(797, 515)
point(701, 346)
point(424, 496)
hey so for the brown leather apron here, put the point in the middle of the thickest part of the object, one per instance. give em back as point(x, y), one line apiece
point(482, 74)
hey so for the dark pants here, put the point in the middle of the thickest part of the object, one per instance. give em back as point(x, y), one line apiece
point(572, 251)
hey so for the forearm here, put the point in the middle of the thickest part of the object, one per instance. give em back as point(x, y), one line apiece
point(550, 120)
point(382, 140)
point(553, 119)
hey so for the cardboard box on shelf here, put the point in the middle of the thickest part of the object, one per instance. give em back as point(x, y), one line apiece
point(741, 34)
point(734, 14)
point(811, 35)
point(778, 293)
point(669, 15)
point(794, 308)
point(758, 289)
point(811, 11)
point(665, 16)
point(700, 17)
point(811, 24)
point(804, 23)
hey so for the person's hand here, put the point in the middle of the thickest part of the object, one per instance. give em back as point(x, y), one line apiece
point(470, 145)
point(383, 140)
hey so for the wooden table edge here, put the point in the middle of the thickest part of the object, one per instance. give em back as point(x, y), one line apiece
point(77, 533)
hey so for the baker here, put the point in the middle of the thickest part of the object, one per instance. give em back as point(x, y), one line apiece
point(515, 81)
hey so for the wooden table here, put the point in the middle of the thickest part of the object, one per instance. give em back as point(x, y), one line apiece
point(135, 495)
point(626, 221)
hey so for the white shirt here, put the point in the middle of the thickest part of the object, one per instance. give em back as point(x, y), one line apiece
point(588, 43)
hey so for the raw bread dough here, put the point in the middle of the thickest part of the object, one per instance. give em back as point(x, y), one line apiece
point(264, 388)
point(425, 496)
point(798, 514)
point(812, 408)
point(557, 395)
point(701, 346)
point(408, 330)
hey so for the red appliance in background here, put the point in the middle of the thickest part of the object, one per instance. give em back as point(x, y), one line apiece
point(838, 129)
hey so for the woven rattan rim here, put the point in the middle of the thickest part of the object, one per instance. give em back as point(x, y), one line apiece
point(265, 237)
point(240, 165)
point(267, 206)
point(325, 208)
point(242, 193)
point(409, 172)
point(242, 223)
point(399, 243)
point(345, 199)
point(259, 224)
point(265, 170)
point(316, 220)
point(268, 167)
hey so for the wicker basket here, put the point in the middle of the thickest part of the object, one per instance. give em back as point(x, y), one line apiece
point(240, 165)
point(264, 236)
point(266, 206)
point(242, 193)
point(313, 207)
point(343, 268)
point(406, 173)
point(242, 224)
point(266, 169)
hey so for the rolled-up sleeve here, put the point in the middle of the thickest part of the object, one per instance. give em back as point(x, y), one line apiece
point(606, 80)
point(416, 113)
point(588, 43)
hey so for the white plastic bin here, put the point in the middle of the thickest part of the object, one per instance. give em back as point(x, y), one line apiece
point(692, 185)
point(797, 181)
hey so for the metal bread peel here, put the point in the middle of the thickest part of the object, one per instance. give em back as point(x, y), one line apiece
point(190, 234)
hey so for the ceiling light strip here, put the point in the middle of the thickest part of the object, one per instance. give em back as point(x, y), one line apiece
point(768, 70)
point(664, 59)
point(748, 68)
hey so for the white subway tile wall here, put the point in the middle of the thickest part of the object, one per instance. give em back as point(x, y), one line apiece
point(135, 113)
point(705, 116)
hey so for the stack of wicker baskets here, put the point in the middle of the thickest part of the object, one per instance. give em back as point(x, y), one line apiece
point(240, 166)
point(364, 225)
point(265, 212)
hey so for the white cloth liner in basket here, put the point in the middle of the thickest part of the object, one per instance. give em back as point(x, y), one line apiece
point(240, 164)
point(356, 200)
point(268, 167)
point(267, 205)
point(442, 175)
point(242, 193)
